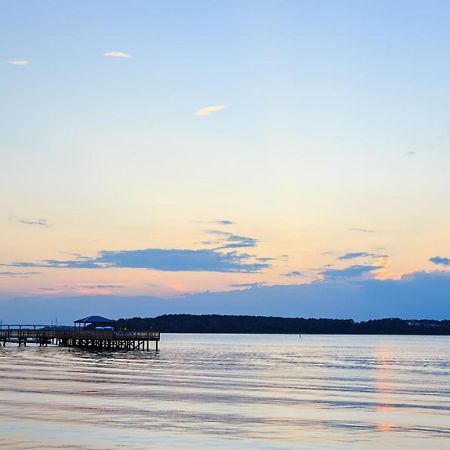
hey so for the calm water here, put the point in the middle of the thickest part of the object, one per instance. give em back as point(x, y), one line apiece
point(231, 391)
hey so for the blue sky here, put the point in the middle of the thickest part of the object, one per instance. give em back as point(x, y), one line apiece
point(178, 148)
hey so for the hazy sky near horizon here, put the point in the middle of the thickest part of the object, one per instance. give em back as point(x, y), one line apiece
point(165, 147)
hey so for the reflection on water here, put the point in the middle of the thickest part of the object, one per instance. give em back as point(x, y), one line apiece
point(382, 386)
point(231, 391)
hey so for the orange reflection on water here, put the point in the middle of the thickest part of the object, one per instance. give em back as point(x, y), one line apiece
point(383, 379)
point(384, 427)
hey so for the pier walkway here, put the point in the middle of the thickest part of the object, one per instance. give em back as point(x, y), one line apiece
point(43, 335)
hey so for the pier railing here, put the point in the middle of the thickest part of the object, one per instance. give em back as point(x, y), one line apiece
point(88, 338)
point(50, 332)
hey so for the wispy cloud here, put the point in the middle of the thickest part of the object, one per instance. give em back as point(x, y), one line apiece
point(265, 259)
point(410, 153)
point(19, 62)
point(354, 255)
point(440, 260)
point(100, 286)
point(207, 110)
point(216, 222)
point(175, 260)
point(349, 272)
point(18, 274)
point(362, 230)
point(248, 285)
point(224, 222)
point(230, 240)
point(38, 221)
point(116, 54)
point(293, 273)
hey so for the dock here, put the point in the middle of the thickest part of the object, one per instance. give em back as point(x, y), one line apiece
point(87, 338)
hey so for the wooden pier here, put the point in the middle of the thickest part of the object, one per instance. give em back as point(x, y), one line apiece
point(78, 337)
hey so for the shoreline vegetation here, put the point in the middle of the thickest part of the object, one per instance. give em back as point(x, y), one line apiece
point(215, 323)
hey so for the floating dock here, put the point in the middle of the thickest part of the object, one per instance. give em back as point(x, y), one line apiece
point(78, 337)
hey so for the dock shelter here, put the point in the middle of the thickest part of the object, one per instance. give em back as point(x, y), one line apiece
point(94, 322)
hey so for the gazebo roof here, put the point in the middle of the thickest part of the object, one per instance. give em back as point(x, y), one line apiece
point(94, 319)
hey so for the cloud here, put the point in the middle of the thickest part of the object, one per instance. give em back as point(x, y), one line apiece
point(349, 272)
point(230, 240)
point(362, 230)
point(175, 260)
point(248, 285)
point(224, 222)
point(100, 286)
point(353, 255)
point(18, 274)
point(216, 222)
point(207, 110)
point(117, 54)
point(419, 295)
point(440, 260)
point(410, 153)
point(210, 242)
point(293, 273)
point(38, 221)
point(19, 62)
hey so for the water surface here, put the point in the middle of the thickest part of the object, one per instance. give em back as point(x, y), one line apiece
point(231, 391)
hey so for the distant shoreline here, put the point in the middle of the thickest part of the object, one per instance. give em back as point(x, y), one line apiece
point(229, 324)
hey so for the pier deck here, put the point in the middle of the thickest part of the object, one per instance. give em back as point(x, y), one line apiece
point(78, 337)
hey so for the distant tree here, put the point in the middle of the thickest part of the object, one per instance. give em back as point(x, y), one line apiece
point(214, 323)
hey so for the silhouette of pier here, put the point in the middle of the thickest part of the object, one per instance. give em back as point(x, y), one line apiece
point(90, 336)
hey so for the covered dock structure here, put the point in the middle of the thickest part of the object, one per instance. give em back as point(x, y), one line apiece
point(93, 332)
point(95, 322)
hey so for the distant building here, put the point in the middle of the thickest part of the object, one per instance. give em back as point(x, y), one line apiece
point(97, 322)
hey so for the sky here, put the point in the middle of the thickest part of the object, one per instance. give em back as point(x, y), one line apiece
point(259, 157)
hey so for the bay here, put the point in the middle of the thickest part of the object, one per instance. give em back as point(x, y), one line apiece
point(231, 391)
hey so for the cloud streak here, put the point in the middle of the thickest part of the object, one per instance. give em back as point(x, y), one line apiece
point(293, 273)
point(230, 240)
point(38, 221)
point(349, 272)
point(354, 255)
point(216, 222)
point(207, 110)
point(174, 260)
point(224, 222)
point(362, 230)
point(99, 286)
point(116, 54)
point(18, 274)
point(19, 62)
point(257, 284)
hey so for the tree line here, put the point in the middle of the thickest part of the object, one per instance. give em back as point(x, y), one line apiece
point(215, 323)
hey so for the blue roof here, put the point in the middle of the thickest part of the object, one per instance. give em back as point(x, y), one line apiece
point(95, 319)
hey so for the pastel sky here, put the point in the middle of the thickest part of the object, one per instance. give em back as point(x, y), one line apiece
point(184, 150)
